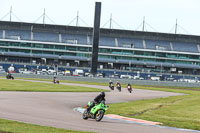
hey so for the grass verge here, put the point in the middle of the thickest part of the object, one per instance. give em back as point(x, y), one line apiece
point(17, 85)
point(8, 126)
point(175, 111)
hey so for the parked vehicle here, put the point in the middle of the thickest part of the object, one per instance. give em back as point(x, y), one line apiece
point(97, 112)
point(78, 72)
point(43, 71)
point(11, 69)
point(67, 73)
point(155, 78)
point(100, 75)
point(126, 76)
point(1, 69)
point(51, 72)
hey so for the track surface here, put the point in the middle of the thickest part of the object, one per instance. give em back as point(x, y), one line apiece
point(56, 109)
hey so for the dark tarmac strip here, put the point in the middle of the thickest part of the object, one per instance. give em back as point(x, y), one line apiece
point(56, 109)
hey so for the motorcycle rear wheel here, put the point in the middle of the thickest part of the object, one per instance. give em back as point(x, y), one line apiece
point(99, 115)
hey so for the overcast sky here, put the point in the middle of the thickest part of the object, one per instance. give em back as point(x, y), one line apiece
point(160, 15)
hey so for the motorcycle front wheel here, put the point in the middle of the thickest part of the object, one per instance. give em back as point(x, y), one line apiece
point(99, 115)
point(85, 115)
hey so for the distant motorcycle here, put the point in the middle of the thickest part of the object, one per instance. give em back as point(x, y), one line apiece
point(56, 81)
point(111, 86)
point(129, 88)
point(9, 76)
point(119, 87)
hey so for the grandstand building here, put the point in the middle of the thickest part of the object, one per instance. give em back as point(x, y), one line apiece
point(118, 49)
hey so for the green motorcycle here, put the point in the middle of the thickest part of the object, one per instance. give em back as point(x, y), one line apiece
point(97, 112)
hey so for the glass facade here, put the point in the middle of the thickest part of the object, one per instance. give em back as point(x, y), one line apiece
point(104, 52)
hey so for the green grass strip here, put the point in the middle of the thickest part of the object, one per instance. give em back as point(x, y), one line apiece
point(8, 126)
point(17, 85)
point(175, 111)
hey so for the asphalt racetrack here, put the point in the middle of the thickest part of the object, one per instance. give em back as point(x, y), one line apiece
point(56, 109)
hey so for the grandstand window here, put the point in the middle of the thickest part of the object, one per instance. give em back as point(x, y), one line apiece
point(139, 52)
point(36, 52)
point(85, 49)
point(37, 45)
point(181, 56)
point(149, 59)
point(129, 52)
point(70, 48)
point(103, 56)
point(59, 47)
point(59, 53)
point(193, 57)
point(116, 50)
point(3, 49)
point(3, 44)
point(184, 62)
point(160, 60)
point(125, 58)
point(25, 44)
point(49, 46)
point(80, 54)
point(20, 50)
point(149, 53)
point(171, 55)
point(104, 50)
point(161, 54)
point(13, 44)
point(71, 54)
point(47, 52)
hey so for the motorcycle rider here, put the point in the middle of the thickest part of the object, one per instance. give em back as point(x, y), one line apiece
point(55, 79)
point(110, 83)
point(129, 86)
point(98, 99)
point(9, 75)
point(118, 83)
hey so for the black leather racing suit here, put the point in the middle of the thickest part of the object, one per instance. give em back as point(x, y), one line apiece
point(98, 99)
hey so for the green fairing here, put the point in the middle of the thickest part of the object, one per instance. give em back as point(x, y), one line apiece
point(89, 103)
point(100, 106)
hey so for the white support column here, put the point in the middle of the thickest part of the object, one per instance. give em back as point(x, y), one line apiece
point(116, 42)
point(88, 39)
point(32, 36)
point(171, 46)
point(144, 44)
point(198, 47)
point(60, 37)
point(3, 34)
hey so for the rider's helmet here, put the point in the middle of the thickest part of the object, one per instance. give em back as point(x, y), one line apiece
point(129, 84)
point(102, 94)
point(110, 80)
